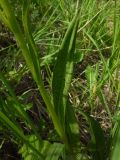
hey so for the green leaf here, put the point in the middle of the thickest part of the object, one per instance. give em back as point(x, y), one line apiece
point(97, 139)
point(91, 75)
point(48, 150)
point(63, 70)
point(116, 117)
point(55, 151)
point(27, 152)
point(78, 57)
point(97, 143)
point(115, 155)
point(72, 128)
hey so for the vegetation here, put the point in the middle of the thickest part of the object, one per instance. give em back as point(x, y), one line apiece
point(60, 80)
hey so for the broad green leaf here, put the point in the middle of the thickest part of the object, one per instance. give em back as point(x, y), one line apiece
point(29, 52)
point(29, 154)
point(55, 151)
point(72, 130)
point(48, 150)
point(63, 70)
